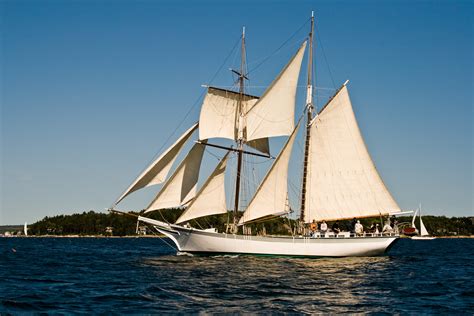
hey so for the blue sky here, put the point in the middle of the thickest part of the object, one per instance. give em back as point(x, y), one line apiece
point(91, 90)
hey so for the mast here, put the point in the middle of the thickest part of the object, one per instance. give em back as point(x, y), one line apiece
point(240, 136)
point(309, 118)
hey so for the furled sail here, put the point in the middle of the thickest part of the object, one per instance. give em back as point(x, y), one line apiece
point(342, 181)
point(271, 196)
point(211, 198)
point(158, 170)
point(181, 186)
point(218, 116)
point(273, 114)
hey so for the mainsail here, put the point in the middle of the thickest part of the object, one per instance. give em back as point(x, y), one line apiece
point(342, 179)
point(181, 186)
point(274, 113)
point(271, 196)
point(423, 231)
point(211, 198)
point(158, 170)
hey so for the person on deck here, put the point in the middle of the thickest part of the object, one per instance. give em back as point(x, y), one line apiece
point(324, 227)
point(353, 224)
point(359, 229)
point(374, 228)
point(387, 229)
point(395, 226)
point(335, 228)
point(313, 228)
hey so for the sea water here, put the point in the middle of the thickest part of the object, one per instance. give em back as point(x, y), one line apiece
point(146, 275)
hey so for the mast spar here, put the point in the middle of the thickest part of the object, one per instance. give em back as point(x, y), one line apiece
point(309, 109)
point(240, 136)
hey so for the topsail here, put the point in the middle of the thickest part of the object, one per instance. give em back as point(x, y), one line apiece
point(274, 114)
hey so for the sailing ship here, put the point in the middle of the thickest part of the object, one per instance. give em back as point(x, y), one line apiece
point(339, 179)
point(423, 232)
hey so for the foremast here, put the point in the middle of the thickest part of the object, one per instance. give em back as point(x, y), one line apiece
point(240, 132)
point(309, 118)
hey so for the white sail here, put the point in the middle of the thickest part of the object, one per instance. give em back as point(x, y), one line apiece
point(413, 220)
point(423, 231)
point(218, 116)
point(25, 229)
point(342, 181)
point(181, 186)
point(271, 196)
point(211, 198)
point(158, 170)
point(273, 114)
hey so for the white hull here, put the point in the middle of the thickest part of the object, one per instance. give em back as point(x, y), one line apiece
point(422, 238)
point(198, 241)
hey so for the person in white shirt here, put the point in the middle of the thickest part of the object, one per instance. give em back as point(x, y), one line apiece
point(359, 229)
point(324, 227)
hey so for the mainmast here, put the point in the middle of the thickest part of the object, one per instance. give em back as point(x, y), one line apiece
point(309, 118)
point(240, 136)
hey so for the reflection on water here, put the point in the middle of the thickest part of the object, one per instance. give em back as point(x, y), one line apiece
point(250, 283)
point(145, 276)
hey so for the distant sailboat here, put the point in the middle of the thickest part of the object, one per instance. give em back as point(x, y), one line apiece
point(25, 229)
point(423, 233)
point(339, 179)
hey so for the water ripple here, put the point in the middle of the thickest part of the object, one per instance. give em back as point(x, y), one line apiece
point(92, 275)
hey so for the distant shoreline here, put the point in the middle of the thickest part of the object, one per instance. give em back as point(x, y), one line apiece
point(162, 236)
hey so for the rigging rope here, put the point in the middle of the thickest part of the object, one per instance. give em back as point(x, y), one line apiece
point(186, 115)
point(279, 48)
point(320, 41)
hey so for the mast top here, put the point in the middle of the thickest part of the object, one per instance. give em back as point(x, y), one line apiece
point(312, 14)
point(243, 31)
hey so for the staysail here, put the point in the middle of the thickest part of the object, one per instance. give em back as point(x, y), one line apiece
point(342, 179)
point(274, 113)
point(211, 198)
point(181, 186)
point(271, 196)
point(158, 170)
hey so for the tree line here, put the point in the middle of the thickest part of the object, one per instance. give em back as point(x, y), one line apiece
point(95, 223)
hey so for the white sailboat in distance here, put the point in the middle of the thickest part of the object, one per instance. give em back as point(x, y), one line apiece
point(423, 233)
point(339, 179)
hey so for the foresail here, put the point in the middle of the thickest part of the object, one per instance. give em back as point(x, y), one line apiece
point(158, 170)
point(273, 114)
point(342, 181)
point(211, 198)
point(271, 195)
point(181, 186)
point(218, 116)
